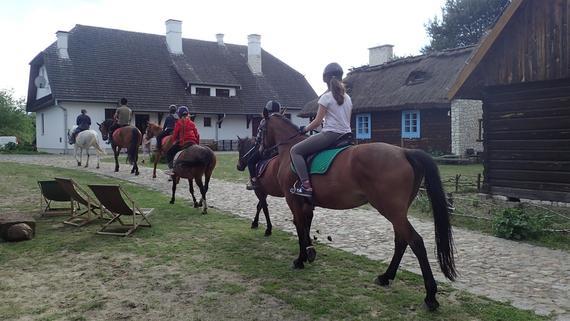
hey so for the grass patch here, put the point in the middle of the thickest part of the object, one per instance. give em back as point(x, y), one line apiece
point(205, 266)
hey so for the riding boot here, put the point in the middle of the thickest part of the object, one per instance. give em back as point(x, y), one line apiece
point(252, 185)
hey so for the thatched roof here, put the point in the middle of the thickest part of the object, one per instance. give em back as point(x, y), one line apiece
point(414, 82)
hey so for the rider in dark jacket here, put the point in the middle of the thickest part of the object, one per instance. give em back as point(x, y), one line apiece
point(83, 122)
point(168, 128)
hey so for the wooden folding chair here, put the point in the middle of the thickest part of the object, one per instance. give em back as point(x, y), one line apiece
point(79, 216)
point(117, 202)
point(51, 191)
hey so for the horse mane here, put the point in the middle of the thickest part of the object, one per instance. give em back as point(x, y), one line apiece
point(286, 120)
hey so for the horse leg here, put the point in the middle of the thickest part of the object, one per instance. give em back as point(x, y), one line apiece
point(300, 221)
point(399, 249)
point(136, 165)
point(174, 182)
point(203, 192)
point(416, 243)
point(116, 151)
point(191, 188)
point(310, 249)
point(80, 156)
point(266, 213)
point(87, 162)
point(157, 155)
point(255, 222)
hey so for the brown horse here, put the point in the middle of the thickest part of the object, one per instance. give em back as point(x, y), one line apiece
point(267, 184)
point(128, 137)
point(192, 163)
point(152, 130)
point(386, 176)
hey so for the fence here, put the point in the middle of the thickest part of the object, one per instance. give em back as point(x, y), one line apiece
point(227, 145)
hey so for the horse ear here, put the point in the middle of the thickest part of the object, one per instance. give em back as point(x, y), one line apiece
point(238, 137)
point(283, 110)
point(265, 113)
point(98, 124)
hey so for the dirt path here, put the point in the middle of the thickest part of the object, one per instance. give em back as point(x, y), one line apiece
point(530, 277)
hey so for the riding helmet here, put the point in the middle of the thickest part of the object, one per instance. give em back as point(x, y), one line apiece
point(273, 106)
point(172, 109)
point(332, 69)
point(182, 111)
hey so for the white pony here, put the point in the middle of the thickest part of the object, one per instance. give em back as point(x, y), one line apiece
point(85, 140)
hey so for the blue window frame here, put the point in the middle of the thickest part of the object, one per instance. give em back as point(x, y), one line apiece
point(411, 124)
point(363, 126)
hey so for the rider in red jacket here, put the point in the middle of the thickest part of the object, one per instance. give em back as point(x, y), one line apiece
point(185, 134)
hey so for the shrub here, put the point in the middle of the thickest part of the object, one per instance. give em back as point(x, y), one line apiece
point(516, 224)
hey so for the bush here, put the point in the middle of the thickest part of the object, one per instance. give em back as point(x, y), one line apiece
point(516, 224)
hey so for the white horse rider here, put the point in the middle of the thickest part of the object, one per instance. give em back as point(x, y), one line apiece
point(84, 140)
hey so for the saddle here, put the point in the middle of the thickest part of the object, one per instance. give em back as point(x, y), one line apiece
point(320, 162)
point(262, 165)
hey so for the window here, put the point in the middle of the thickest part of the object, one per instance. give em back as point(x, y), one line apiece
point(207, 121)
point(417, 77)
point(202, 91)
point(43, 124)
point(363, 128)
point(222, 92)
point(410, 124)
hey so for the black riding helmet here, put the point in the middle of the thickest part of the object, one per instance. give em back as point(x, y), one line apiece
point(332, 69)
point(172, 109)
point(273, 106)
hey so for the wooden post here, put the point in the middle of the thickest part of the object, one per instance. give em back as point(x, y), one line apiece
point(457, 176)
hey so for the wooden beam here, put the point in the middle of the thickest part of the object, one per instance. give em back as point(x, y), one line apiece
point(483, 48)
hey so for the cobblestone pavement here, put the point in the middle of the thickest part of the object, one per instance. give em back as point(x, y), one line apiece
point(527, 276)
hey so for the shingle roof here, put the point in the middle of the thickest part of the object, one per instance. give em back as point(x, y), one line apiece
point(107, 64)
point(417, 82)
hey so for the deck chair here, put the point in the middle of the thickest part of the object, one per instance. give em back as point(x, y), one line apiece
point(91, 207)
point(117, 202)
point(51, 191)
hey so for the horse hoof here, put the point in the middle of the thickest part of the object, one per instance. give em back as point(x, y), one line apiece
point(172, 202)
point(431, 305)
point(97, 167)
point(137, 173)
point(254, 225)
point(298, 264)
point(116, 170)
point(196, 205)
point(267, 232)
point(153, 176)
point(311, 254)
point(382, 280)
point(204, 212)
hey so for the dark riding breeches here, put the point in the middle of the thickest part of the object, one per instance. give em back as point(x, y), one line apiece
point(252, 162)
point(173, 150)
point(311, 145)
point(161, 136)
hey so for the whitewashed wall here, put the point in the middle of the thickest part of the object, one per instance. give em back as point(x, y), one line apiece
point(51, 138)
point(465, 115)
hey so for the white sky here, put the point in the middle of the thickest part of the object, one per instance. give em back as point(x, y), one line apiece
point(304, 34)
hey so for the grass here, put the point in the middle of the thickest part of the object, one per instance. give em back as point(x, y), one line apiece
point(200, 263)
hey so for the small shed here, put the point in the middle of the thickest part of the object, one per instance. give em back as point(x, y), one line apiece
point(521, 71)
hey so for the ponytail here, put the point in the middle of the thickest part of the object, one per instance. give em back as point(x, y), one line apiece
point(337, 89)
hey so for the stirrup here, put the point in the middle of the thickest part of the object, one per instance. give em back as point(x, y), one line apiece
point(251, 186)
point(299, 189)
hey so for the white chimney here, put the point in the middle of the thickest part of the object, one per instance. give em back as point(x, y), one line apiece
point(380, 55)
point(62, 44)
point(220, 39)
point(174, 36)
point(254, 53)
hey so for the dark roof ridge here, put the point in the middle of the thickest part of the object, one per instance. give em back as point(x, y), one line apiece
point(152, 34)
point(412, 59)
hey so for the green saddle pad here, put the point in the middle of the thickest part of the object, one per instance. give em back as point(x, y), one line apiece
point(323, 160)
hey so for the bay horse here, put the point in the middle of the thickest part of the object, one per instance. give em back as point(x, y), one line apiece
point(128, 137)
point(85, 140)
point(152, 130)
point(386, 176)
point(192, 163)
point(267, 184)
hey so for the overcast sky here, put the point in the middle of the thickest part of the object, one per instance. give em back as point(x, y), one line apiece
point(306, 34)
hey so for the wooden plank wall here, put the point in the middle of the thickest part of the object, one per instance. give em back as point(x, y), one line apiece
point(527, 140)
point(532, 47)
point(435, 130)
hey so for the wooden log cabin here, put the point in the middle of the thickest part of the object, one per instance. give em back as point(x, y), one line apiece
point(404, 102)
point(521, 72)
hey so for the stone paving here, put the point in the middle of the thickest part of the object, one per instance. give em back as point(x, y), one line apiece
point(527, 276)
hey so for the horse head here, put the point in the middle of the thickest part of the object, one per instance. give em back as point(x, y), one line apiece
point(152, 130)
point(104, 128)
point(277, 130)
point(245, 146)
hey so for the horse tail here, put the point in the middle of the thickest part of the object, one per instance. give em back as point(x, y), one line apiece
point(134, 146)
point(443, 232)
point(98, 147)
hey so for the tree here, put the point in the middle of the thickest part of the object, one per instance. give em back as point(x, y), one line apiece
point(14, 121)
point(463, 23)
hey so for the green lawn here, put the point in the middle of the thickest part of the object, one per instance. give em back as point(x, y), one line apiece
point(197, 266)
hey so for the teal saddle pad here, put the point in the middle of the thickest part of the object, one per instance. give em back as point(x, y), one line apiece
point(322, 161)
